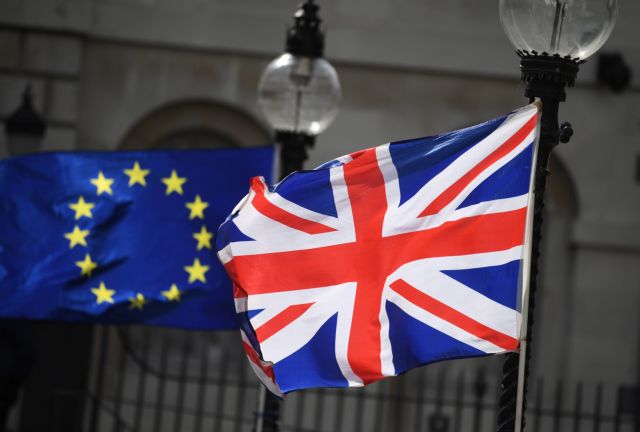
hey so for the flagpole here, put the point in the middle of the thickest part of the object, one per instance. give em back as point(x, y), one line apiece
point(262, 397)
point(526, 277)
point(546, 78)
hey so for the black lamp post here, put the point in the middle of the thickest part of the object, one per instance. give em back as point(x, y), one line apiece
point(25, 128)
point(552, 38)
point(299, 93)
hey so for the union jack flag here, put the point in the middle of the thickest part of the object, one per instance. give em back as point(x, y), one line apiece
point(386, 259)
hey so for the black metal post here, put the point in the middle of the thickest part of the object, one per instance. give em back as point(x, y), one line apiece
point(546, 77)
point(293, 153)
point(304, 39)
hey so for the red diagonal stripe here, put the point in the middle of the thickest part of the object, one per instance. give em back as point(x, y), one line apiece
point(253, 357)
point(453, 316)
point(454, 190)
point(267, 208)
point(280, 321)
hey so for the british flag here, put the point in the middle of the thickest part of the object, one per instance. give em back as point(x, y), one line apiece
point(385, 259)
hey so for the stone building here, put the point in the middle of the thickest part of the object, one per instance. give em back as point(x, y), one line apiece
point(136, 74)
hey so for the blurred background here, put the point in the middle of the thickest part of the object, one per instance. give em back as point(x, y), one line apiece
point(143, 74)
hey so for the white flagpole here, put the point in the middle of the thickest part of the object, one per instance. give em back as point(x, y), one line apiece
point(262, 398)
point(526, 278)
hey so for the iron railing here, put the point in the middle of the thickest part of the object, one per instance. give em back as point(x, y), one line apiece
point(148, 381)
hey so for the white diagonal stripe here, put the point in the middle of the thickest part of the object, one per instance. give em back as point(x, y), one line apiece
point(442, 325)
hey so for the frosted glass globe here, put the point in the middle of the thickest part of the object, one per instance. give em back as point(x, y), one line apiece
point(573, 28)
point(299, 94)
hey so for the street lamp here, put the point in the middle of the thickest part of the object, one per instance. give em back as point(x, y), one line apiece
point(24, 127)
point(299, 91)
point(572, 29)
point(552, 38)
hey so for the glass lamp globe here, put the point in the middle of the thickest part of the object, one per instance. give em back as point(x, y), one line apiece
point(299, 94)
point(570, 28)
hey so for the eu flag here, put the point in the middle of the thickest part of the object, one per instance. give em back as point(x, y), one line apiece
point(121, 237)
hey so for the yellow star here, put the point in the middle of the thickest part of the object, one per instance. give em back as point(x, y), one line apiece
point(174, 183)
point(172, 293)
point(102, 184)
point(203, 237)
point(103, 294)
point(197, 208)
point(87, 266)
point(82, 208)
point(137, 175)
point(77, 237)
point(196, 271)
point(137, 302)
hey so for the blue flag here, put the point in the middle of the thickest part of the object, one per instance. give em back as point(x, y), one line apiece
point(121, 237)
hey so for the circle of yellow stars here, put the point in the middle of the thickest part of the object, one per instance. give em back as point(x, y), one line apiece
point(137, 177)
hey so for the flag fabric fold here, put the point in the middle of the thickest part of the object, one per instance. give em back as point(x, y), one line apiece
point(387, 258)
point(121, 237)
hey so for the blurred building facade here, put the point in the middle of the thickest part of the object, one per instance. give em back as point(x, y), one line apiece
point(135, 74)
